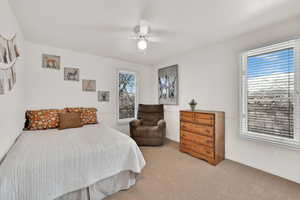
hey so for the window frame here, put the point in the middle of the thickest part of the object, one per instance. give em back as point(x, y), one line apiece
point(243, 97)
point(136, 74)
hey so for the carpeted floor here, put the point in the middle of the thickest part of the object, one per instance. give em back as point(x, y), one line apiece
point(172, 175)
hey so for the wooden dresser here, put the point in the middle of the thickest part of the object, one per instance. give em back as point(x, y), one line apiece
point(202, 134)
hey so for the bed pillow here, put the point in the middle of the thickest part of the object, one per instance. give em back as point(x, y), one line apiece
point(88, 115)
point(42, 119)
point(69, 120)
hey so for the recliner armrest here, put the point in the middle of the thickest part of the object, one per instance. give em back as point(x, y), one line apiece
point(161, 123)
point(135, 123)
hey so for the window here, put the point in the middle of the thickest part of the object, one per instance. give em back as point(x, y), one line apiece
point(269, 100)
point(127, 95)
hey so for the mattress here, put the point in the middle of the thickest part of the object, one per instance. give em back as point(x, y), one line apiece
point(48, 164)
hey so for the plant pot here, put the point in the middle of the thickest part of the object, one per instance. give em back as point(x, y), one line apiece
point(193, 107)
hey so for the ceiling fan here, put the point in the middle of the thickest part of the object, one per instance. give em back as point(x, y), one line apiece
point(142, 35)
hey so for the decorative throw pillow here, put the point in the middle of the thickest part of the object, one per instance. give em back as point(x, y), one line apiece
point(88, 115)
point(69, 120)
point(42, 119)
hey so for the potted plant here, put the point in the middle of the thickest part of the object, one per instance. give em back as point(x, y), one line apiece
point(193, 104)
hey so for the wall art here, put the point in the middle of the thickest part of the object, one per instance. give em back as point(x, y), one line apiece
point(168, 85)
point(13, 73)
point(8, 55)
point(2, 86)
point(71, 74)
point(8, 51)
point(3, 51)
point(103, 96)
point(51, 61)
point(89, 85)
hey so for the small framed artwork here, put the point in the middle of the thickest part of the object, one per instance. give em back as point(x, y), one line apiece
point(89, 85)
point(71, 74)
point(103, 96)
point(51, 61)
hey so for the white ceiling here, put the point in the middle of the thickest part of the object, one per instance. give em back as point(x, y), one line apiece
point(102, 27)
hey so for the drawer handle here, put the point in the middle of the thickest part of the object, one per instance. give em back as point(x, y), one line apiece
point(207, 141)
point(208, 152)
point(207, 131)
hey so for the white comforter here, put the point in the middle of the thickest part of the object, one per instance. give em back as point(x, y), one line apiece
point(43, 165)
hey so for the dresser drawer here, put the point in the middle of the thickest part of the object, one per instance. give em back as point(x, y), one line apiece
point(187, 116)
point(204, 150)
point(204, 118)
point(199, 139)
point(197, 128)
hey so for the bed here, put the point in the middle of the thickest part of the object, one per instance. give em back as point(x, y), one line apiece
point(85, 163)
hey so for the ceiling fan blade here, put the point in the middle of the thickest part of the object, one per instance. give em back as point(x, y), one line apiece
point(163, 32)
point(145, 10)
point(133, 38)
point(108, 29)
point(155, 39)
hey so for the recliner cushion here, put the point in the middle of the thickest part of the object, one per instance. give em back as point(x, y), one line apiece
point(147, 131)
point(150, 119)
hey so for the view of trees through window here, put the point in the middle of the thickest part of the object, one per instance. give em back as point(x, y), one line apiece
point(271, 93)
point(127, 95)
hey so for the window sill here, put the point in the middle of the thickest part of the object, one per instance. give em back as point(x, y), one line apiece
point(124, 121)
point(291, 144)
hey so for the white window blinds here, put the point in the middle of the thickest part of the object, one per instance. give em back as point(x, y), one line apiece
point(269, 99)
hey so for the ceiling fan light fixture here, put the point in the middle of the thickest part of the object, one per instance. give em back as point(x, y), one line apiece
point(142, 44)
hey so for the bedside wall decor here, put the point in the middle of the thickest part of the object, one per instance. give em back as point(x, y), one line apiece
point(103, 96)
point(89, 85)
point(8, 56)
point(71, 74)
point(51, 61)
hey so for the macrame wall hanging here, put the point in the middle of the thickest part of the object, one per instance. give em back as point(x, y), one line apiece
point(9, 54)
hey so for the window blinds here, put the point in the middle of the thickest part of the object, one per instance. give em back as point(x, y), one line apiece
point(270, 93)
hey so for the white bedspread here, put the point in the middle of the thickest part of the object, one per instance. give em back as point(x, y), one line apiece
point(44, 165)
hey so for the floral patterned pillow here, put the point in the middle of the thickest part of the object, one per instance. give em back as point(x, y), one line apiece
point(88, 115)
point(42, 119)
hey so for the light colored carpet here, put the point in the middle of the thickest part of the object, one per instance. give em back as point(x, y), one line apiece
point(172, 175)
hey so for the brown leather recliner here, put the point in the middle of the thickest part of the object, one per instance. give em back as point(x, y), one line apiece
point(150, 127)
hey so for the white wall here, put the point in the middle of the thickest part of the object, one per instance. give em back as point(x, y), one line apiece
point(11, 104)
point(210, 75)
point(46, 88)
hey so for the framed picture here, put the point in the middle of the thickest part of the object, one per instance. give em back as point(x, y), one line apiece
point(103, 96)
point(51, 61)
point(168, 85)
point(2, 87)
point(89, 85)
point(71, 74)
